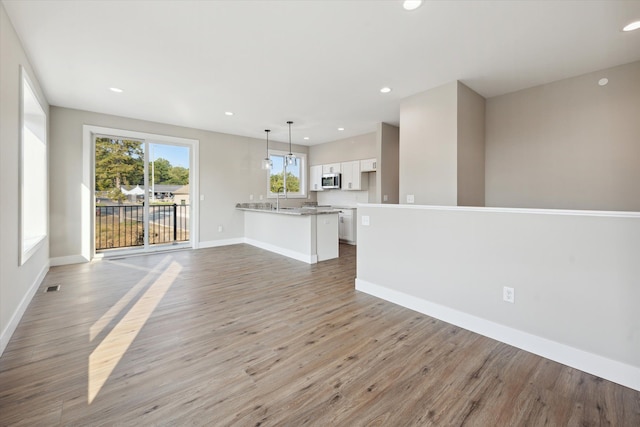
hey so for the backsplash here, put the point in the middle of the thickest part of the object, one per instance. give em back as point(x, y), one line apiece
point(342, 198)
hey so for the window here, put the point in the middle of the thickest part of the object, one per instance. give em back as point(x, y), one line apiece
point(33, 172)
point(287, 179)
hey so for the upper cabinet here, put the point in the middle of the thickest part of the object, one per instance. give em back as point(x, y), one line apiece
point(331, 168)
point(315, 181)
point(368, 165)
point(352, 176)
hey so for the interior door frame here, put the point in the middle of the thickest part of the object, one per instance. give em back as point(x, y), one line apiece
point(88, 200)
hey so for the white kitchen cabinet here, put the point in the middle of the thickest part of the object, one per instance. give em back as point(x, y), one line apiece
point(352, 176)
point(331, 168)
point(347, 226)
point(315, 181)
point(368, 165)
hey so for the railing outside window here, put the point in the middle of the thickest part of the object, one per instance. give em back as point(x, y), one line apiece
point(122, 226)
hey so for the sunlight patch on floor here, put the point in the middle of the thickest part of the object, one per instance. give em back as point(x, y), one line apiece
point(110, 351)
point(106, 318)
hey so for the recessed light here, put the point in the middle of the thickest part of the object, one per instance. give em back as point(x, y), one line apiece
point(228, 113)
point(385, 89)
point(603, 81)
point(633, 26)
point(340, 128)
point(115, 89)
point(411, 4)
point(306, 137)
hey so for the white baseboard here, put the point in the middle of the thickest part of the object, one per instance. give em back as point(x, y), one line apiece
point(224, 242)
point(66, 260)
point(309, 259)
point(21, 308)
point(609, 369)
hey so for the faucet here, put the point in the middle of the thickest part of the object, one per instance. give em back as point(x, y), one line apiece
point(278, 197)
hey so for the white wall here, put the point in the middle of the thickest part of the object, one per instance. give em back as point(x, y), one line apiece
point(17, 283)
point(229, 167)
point(570, 144)
point(575, 276)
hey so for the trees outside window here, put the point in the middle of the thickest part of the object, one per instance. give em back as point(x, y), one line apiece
point(287, 179)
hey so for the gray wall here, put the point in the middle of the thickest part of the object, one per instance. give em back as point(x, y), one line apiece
point(471, 147)
point(428, 148)
point(568, 144)
point(442, 147)
point(343, 150)
point(229, 168)
point(387, 176)
point(16, 282)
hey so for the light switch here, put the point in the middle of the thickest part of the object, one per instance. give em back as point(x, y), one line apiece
point(410, 198)
point(365, 219)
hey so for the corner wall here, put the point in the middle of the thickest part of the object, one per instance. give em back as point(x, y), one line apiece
point(471, 147)
point(17, 283)
point(428, 146)
point(387, 176)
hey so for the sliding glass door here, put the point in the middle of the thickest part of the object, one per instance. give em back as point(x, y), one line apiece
point(142, 195)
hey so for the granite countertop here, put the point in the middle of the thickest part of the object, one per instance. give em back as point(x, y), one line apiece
point(293, 211)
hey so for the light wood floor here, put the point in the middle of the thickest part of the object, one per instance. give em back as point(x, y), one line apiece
point(240, 336)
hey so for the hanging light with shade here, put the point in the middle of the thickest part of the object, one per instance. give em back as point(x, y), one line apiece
point(266, 162)
point(290, 159)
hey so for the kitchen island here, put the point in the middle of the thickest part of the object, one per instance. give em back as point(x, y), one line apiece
point(306, 234)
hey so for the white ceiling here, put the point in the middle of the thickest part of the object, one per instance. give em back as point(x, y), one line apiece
point(318, 63)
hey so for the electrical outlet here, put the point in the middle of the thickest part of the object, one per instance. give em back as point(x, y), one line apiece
point(365, 220)
point(508, 294)
point(219, 229)
point(411, 198)
point(202, 197)
point(250, 196)
point(385, 198)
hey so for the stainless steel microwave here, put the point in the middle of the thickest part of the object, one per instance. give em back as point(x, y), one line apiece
point(331, 180)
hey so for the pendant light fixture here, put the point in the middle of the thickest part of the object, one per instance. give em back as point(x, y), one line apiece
point(290, 159)
point(266, 162)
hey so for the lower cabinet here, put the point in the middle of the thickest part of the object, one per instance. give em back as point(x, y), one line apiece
point(347, 226)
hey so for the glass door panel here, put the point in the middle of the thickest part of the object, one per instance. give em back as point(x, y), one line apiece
point(169, 194)
point(119, 193)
